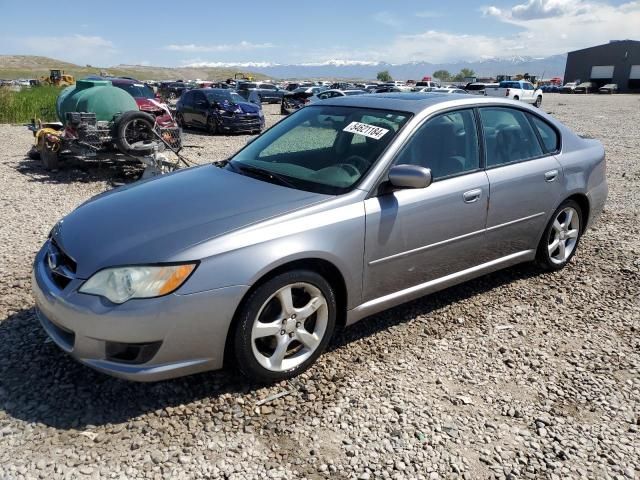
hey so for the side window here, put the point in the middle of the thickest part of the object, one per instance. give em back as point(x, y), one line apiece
point(508, 136)
point(266, 86)
point(197, 98)
point(547, 133)
point(187, 99)
point(447, 144)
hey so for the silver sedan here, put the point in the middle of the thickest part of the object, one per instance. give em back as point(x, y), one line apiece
point(347, 207)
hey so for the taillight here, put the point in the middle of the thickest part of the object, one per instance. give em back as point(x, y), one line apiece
point(507, 94)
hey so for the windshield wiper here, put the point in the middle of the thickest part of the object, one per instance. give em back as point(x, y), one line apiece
point(266, 174)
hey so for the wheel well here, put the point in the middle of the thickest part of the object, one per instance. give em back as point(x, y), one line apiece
point(323, 267)
point(583, 201)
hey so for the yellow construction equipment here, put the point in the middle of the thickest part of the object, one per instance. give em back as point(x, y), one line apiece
point(58, 78)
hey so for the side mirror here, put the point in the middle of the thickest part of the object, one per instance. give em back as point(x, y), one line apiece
point(409, 176)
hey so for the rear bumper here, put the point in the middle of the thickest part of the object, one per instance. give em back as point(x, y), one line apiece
point(597, 197)
point(177, 334)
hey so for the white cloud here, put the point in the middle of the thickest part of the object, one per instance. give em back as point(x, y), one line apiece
point(82, 49)
point(387, 18)
point(535, 9)
point(546, 27)
point(229, 47)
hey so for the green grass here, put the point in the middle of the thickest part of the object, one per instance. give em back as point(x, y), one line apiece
point(22, 106)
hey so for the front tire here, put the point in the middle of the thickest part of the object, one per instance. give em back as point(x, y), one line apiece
point(538, 102)
point(560, 239)
point(284, 325)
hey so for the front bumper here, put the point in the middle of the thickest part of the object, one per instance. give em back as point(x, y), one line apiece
point(241, 123)
point(181, 334)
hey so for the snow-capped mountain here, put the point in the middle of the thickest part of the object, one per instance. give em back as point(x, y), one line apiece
point(363, 69)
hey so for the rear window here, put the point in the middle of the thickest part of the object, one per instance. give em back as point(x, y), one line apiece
point(509, 85)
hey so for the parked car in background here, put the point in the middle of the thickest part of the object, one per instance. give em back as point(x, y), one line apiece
point(218, 110)
point(342, 86)
point(569, 87)
point(172, 90)
point(425, 84)
point(292, 101)
point(586, 87)
point(387, 89)
point(478, 88)
point(260, 259)
point(516, 90)
point(457, 91)
point(144, 96)
point(609, 88)
point(267, 92)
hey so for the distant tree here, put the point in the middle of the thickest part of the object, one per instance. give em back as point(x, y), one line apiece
point(464, 73)
point(384, 76)
point(443, 75)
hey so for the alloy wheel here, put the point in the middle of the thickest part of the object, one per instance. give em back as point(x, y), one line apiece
point(563, 235)
point(289, 327)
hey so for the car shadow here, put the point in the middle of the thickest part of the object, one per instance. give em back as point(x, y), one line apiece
point(39, 383)
point(115, 169)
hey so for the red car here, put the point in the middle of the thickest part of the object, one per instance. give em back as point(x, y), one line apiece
point(146, 99)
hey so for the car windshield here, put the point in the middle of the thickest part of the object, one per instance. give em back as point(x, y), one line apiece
point(222, 96)
point(323, 148)
point(137, 90)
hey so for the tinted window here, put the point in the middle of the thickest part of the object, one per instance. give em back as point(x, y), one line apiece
point(547, 133)
point(508, 136)
point(266, 86)
point(447, 144)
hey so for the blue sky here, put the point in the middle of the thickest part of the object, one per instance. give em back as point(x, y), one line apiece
point(184, 33)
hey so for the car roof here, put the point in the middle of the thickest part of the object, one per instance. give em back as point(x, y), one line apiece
point(413, 102)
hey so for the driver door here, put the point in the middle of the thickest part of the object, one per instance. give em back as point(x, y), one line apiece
point(414, 236)
point(200, 109)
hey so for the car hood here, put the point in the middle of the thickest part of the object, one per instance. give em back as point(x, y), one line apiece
point(154, 220)
point(150, 104)
point(245, 107)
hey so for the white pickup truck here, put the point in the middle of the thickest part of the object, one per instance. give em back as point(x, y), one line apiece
point(516, 90)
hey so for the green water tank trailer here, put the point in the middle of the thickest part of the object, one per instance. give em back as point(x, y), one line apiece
point(94, 96)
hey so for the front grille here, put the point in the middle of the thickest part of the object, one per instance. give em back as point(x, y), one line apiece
point(65, 266)
point(67, 261)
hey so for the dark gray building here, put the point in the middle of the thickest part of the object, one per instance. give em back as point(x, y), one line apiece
point(615, 62)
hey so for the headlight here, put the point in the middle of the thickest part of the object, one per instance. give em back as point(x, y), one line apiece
point(123, 283)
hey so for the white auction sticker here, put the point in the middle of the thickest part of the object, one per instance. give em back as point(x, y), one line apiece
point(367, 130)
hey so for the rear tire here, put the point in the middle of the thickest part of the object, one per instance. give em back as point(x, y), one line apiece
point(560, 239)
point(284, 325)
point(516, 97)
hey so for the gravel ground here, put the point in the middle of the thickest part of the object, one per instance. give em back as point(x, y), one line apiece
point(517, 374)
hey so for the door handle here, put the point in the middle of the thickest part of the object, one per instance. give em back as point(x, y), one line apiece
point(551, 175)
point(472, 195)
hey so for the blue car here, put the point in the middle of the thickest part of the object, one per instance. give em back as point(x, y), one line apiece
point(218, 110)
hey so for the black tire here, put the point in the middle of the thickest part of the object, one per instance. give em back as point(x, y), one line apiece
point(247, 315)
point(543, 256)
point(212, 126)
point(516, 97)
point(538, 101)
point(142, 125)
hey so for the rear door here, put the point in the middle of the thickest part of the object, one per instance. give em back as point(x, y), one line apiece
point(525, 178)
point(417, 235)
